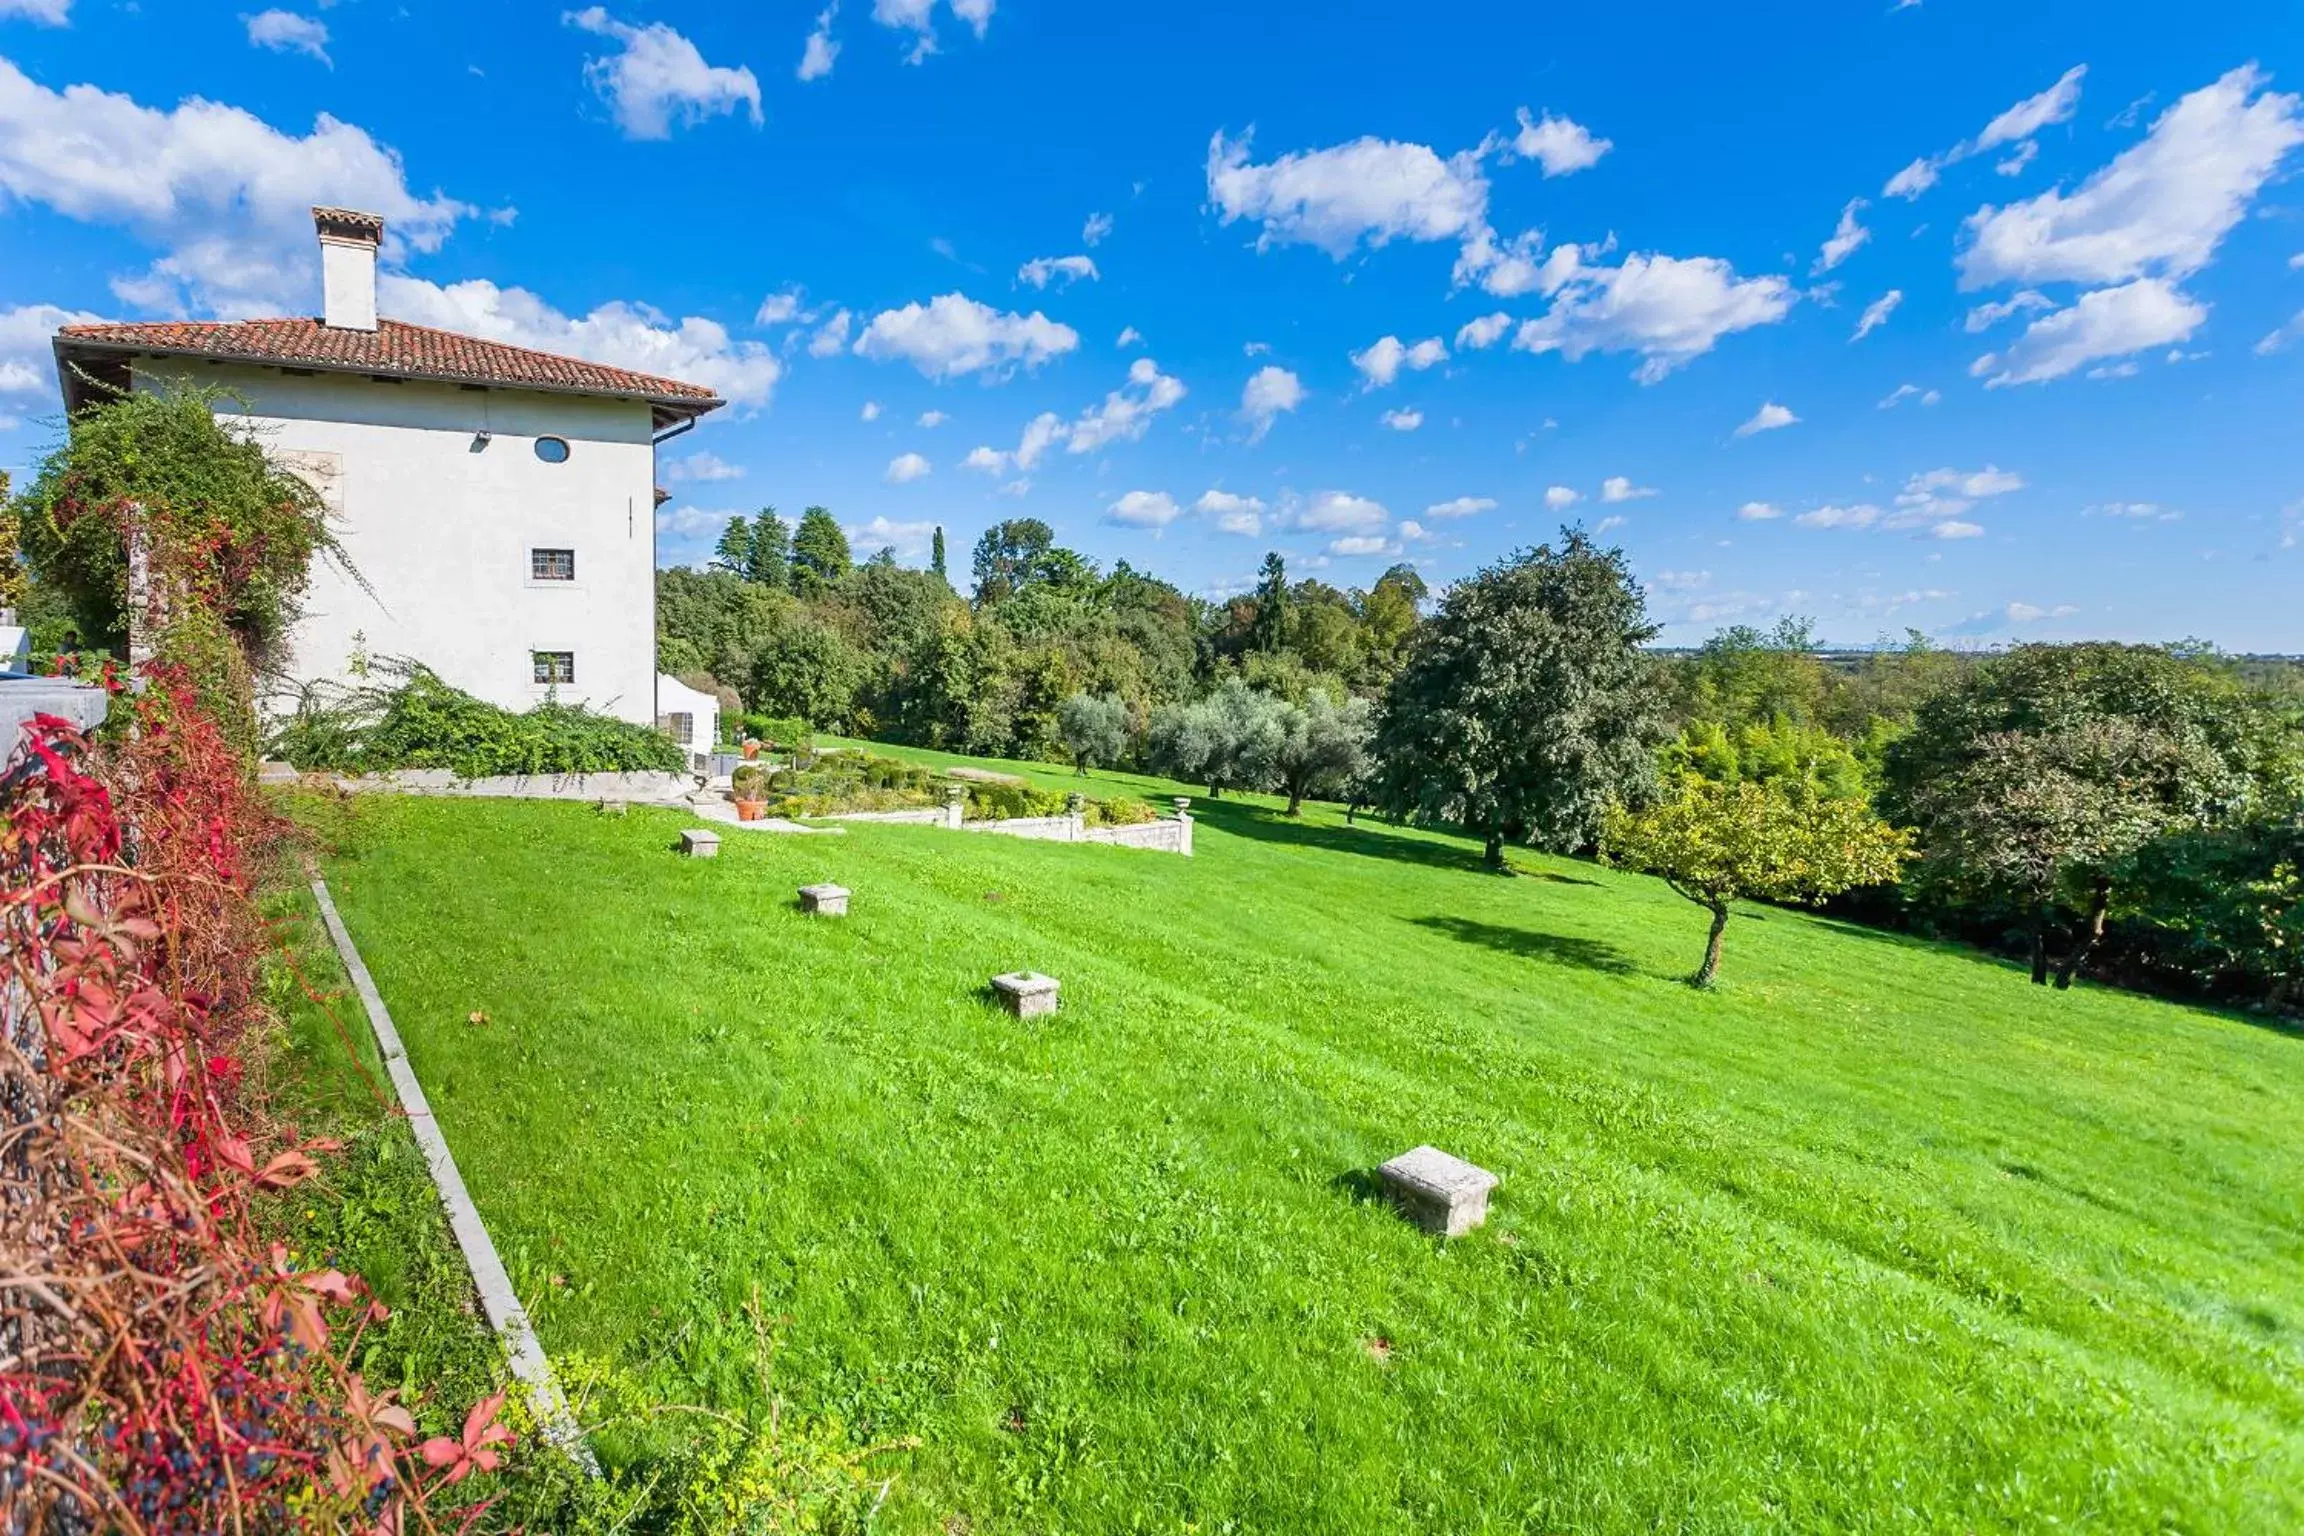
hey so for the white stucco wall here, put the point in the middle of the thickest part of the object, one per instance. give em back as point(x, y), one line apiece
point(439, 527)
point(675, 697)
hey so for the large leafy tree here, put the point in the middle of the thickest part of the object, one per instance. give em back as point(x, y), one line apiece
point(1008, 557)
point(1526, 706)
point(1771, 840)
point(2038, 777)
point(1323, 746)
point(820, 557)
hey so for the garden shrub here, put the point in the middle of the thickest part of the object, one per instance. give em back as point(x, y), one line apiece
point(423, 722)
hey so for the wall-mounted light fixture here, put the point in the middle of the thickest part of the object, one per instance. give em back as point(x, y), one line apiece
point(481, 439)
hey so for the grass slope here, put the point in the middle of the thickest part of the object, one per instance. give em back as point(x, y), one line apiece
point(1878, 1237)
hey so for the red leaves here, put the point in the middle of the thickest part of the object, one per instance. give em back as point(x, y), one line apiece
point(190, 1374)
point(474, 1451)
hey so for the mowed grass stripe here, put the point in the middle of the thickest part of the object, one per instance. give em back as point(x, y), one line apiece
point(1878, 1237)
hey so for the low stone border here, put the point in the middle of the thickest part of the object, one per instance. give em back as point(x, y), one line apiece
point(505, 1314)
point(641, 788)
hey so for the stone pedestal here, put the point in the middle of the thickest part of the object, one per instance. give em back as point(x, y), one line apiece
point(824, 900)
point(611, 806)
point(1026, 994)
point(1444, 1195)
point(700, 843)
point(955, 807)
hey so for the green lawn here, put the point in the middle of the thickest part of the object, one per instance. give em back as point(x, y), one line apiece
point(1877, 1237)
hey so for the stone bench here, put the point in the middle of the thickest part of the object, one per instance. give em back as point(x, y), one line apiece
point(824, 900)
point(700, 843)
point(1444, 1195)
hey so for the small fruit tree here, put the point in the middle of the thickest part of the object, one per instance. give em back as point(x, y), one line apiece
point(1772, 841)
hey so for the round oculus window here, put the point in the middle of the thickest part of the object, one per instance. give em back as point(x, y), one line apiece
point(552, 450)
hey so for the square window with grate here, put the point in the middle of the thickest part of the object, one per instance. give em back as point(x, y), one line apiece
point(555, 666)
point(552, 565)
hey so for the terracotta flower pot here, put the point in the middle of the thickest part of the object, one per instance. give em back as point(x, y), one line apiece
point(751, 810)
point(751, 750)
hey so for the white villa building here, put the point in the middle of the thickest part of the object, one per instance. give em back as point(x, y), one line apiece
point(497, 505)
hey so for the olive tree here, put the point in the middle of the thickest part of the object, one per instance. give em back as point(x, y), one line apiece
point(1525, 706)
point(1094, 729)
point(1717, 843)
point(1229, 740)
point(1323, 746)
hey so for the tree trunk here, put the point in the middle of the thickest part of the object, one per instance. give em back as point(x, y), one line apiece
point(2099, 904)
point(1711, 966)
point(1295, 799)
point(2040, 946)
point(1080, 767)
point(1493, 854)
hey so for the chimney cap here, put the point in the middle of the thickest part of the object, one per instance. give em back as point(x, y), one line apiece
point(349, 224)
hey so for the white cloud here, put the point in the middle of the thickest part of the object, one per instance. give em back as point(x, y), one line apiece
point(1363, 544)
point(1610, 525)
point(1483, 332)
point(1413, 532)
point(1041, 433)
point(660, 79)
point(1127, 412)
point(2135, 511)
point(1985, 316)
point(933, 418)
point(1681, 581)
point(906, 467)
point(1040, 269)
point(1913, 180)
point(871, 411)
point(1559, 497)
point(1877, 312)
point(831, 338)
point(287, 32)
point(1461, 506)
point(1129, 337)
point(1847, 236)
point(1094, 231)
point(1956, 530)
point(1373, 190)
point(2280, 337)
point(919, 18)
point(634, 336)
point(227, 197)
point(952, 334)
point(817, 56)
point(2110, 322)
point(1667, 309)
point(2296, 262)
point(2014, 165)
point(1562, 147)
point(48, 13)
point(1935, 499)
point(1862, 515)
point(1904, 392)
point(1758, 512)
point(27, 361)
point(1335, 512)
point(2053, 105)
point(703, 466)
point(1381, 361)
point(1144, 509)
point(1520, 265)
point(2159, 209)
point(778, 308)
point(1242, 515)
point(1617, 488)
point(911, 541)
point(1403, 421)
point(1768, 418)
point(2030, 613)
point(1268, 392)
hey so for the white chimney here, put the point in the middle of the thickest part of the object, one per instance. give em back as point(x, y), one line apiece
point(348, 242)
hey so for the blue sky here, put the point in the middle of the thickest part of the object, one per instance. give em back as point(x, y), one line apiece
point(1354, 281)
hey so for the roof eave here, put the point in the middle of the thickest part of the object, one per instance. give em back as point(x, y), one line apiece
point(677, 406)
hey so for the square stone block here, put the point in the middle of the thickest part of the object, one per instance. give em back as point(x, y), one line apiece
point(824, 900)
point(610, 806)
point(1026, 994)
point(700, 843)
point(1444, 1195)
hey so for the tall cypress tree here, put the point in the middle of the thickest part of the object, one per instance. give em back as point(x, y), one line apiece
point(936, 557)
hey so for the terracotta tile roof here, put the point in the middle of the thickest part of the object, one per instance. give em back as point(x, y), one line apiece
point(394, 348)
